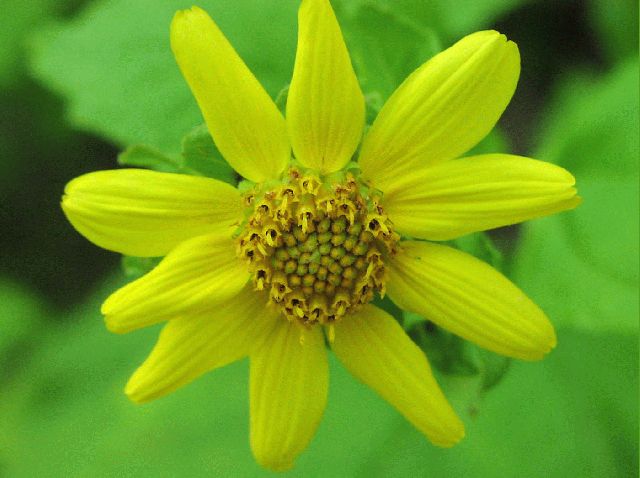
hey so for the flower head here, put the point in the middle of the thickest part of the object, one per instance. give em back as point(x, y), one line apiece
point(300, 253)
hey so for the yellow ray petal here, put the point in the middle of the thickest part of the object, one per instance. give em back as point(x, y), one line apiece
point(375, 349)
point(244, 122)
point(442, 109)
point(325, 107)
point(196, 276)
point(478, 193)
point(191, 346)
point(288, 393)
point(469, 298)
point(146, 213)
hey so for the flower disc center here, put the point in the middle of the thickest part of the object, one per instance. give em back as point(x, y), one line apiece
point(317, 248)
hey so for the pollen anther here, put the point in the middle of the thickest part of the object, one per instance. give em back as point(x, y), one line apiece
point(316, 247)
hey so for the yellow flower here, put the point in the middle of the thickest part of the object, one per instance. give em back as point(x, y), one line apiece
point(267, 272)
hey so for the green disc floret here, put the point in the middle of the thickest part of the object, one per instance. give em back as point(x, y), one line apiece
point(316, 248)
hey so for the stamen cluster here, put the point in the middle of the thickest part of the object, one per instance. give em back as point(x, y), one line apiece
point(317, 248)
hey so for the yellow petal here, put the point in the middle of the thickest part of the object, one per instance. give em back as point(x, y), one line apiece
point(146, 213)
point(191, 346)
point(469, 298)
point(325, 107)
point(244, 122)
point(195, 277)
point(478, 193)
point(442, 109)
point(375, 349)
point(288, 393)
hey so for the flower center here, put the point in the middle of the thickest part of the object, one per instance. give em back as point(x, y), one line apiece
point(317, 248)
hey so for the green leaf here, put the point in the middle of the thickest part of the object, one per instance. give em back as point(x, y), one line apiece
point(71, 389)
point(24, 17)
point(616, 25)
point(450, 20)
point(577, 409)
point(114, 66)
point(495, 142)
point(385, 48)
point(582, 266)
point(20, 323)
point(493, 368)
point(201, 157)
point(463, 17)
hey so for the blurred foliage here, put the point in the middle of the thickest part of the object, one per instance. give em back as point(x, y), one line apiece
point(115, 68)
point(591, 254)
point(383, 61)
point(114, 65)
point(107, 65)
point(38, 155)
point(475, 369)
point(617, 26)
point(449, 20)
point(23, 18)
point(65, 415)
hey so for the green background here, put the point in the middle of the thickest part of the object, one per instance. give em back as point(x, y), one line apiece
point(81, 81)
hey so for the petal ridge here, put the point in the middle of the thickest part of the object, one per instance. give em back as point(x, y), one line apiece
point(325, 106)
point(469, 298)
point(442, 109)
point(477, 193)
point(147, 213)
point(374, 348)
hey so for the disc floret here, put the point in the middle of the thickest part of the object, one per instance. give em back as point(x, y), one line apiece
point(317, 247)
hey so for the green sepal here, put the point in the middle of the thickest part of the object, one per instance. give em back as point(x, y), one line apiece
point(455, 357)
point(199, 157)
point(480, 245)
point(451, 355)
point(447, 352)
point(281, 99)
point(135, 267)
point(143, 156)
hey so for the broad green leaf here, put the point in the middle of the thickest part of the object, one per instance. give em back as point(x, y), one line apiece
point(20, 321)
point(616, 26)
point(114, 65)
point(495, 142)
point(466, 16)
point(451, 20)
point(16, 25)
point(582, 266)
point(573, 414)
point(385, 48)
